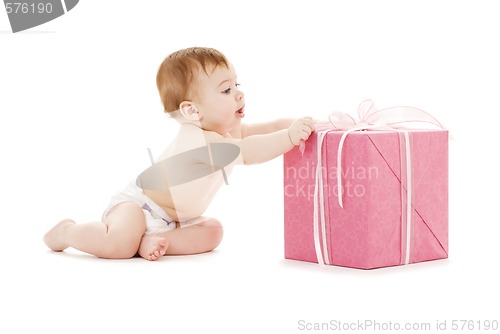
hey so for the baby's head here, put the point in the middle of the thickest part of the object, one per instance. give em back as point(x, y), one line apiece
point(177, 76)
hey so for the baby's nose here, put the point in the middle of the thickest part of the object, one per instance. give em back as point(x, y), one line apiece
point(240, 95)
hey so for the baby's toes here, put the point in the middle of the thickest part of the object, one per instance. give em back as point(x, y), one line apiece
point(154, 256)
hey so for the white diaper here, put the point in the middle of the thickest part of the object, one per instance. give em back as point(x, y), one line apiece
point(157, 220)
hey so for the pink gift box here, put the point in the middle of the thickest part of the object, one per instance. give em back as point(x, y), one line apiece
point(375, 227)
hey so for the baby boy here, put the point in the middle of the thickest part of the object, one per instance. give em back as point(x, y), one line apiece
point(161, 211)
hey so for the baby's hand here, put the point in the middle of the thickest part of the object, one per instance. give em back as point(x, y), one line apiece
point(300, 129)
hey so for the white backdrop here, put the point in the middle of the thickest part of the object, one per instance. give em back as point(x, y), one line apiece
point(79, 107)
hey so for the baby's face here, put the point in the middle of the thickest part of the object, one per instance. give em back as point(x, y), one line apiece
point(220, 103)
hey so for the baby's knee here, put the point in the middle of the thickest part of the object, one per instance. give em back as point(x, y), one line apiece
point(214, 232)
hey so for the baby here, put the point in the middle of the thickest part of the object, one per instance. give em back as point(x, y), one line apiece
point(160, 213)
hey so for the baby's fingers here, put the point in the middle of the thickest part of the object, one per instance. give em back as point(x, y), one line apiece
point(306, 132)
point(308, 121)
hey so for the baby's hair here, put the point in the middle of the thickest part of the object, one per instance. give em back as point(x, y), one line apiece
point(177, 72)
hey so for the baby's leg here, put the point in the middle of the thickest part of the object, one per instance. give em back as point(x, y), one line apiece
point(200, 238)
point(118, 237)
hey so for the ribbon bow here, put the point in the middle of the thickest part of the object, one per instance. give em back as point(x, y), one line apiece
point(390, 117)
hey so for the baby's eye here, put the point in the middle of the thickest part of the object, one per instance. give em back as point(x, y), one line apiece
point(228, 90)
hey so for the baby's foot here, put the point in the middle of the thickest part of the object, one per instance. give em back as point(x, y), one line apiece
point(54, 237)
point(153, 247)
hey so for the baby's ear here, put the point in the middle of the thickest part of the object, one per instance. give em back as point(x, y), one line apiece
point(188, 110)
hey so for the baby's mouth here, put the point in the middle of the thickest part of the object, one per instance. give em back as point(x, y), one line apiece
point(241, 112)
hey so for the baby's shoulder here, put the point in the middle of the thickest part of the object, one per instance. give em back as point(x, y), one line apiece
point(190, 137)
point(194, 142)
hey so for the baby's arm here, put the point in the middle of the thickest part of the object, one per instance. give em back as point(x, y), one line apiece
point(264, 147)
point(264, 128)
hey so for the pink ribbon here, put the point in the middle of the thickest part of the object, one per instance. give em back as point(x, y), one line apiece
point(369, 119)
point(369, 115)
